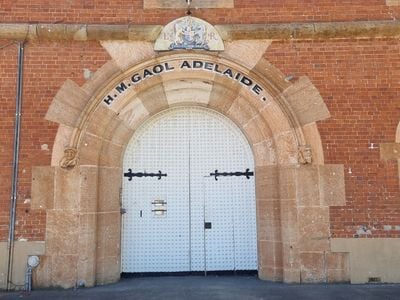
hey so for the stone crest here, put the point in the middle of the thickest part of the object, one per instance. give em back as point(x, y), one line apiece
point(189, 33)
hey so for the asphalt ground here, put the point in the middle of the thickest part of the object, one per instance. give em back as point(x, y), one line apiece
point(214, 287)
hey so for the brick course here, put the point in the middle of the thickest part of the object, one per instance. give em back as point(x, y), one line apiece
point(358, 79)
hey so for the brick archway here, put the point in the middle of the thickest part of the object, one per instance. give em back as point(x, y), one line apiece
point(294, 188)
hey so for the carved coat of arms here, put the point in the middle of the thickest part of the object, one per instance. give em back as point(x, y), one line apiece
point(189, 34)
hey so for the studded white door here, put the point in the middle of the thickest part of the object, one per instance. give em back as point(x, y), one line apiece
point(178, 217)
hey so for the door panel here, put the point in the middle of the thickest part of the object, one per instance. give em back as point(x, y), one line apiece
point(189, 144)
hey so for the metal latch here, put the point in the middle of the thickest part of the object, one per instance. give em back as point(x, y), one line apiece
point(122, 211)
point(207, 225)
point(159, 207)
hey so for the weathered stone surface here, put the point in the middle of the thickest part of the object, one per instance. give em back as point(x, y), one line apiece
point(87, 249)
point(274, 79)
point(154, 100)
point(332, 185)
point(62, 233)
point(306, 102)
point(41, 275)
point(68, 104)
point(275, 118)
point(106, 72)
point(89, 151)
point(66, 189)
point(270, 254)
point(313, 139)
point(62, 141)
point(289, 221)
point(88, 189)
point(313, 226)
point(128, 53)
point(108, 270)
point(109, 187)
point(64, 270)
point(223, 93)
point(307, 186)
point(389, 151)
point(110, 154)
point(42, 191)
point(291, 275)
point(238, 51)
point(268, 220)
point(187, 90)
point(100, 120)
point(266, 183)
point(337, 265)
point(134, 113)
point(286, 148)
point(264, 153)
point(287, 182)
point(241, 111)
point(384, 251)
point(313, 267)
point(182, 4)
point(393, 2)
point(269, 273)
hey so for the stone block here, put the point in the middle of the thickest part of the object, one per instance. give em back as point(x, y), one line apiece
point(389, 151)
point(264, 153)
point(64, 271)
point(151, 4)
point(338, 268)
point(266, 182)
point(290, 254)
point(154, 100)
point(306, 102)
point(42, 191)
point(223, 93)
point(241, 112)
point(134, 113)
point(187, 90)
point(313, 139)
point(268, 220)
point(313, 226)
point(62, 141)
point(109, 188)
point(393, 2)
point(270, 254)
point(332, 185)
point(307, 186)
point(100, 120)
point(41, 275)
point(238, 51)
point(68, 104)
point(89, 151)
point(108, 270)
point(66, 189)
point(286, 148)
point(291, 275)
point(273, 76)
point(276, 119)
point(287, 182)
point(253, 132)
point(88, 188)
point(128, 53)
point(110, 155)
point(270, 274)
point(62, 233)
point(87, 249)
point(289, 221)
point(107, 72)
point(108, 231)
point(313, 267)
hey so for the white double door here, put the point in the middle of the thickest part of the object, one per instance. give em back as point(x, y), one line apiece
point(178, 217)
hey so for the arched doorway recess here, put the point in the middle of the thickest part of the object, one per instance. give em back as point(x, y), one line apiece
point(294, 188)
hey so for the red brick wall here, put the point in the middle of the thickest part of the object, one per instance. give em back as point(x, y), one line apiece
point(360, 83)
point(245, 11)
point(358, 79)
point(47, 66)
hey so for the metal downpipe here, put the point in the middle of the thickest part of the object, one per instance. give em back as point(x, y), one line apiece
point(14, 184)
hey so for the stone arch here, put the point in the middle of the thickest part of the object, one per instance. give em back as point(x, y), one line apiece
point(293, 187)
